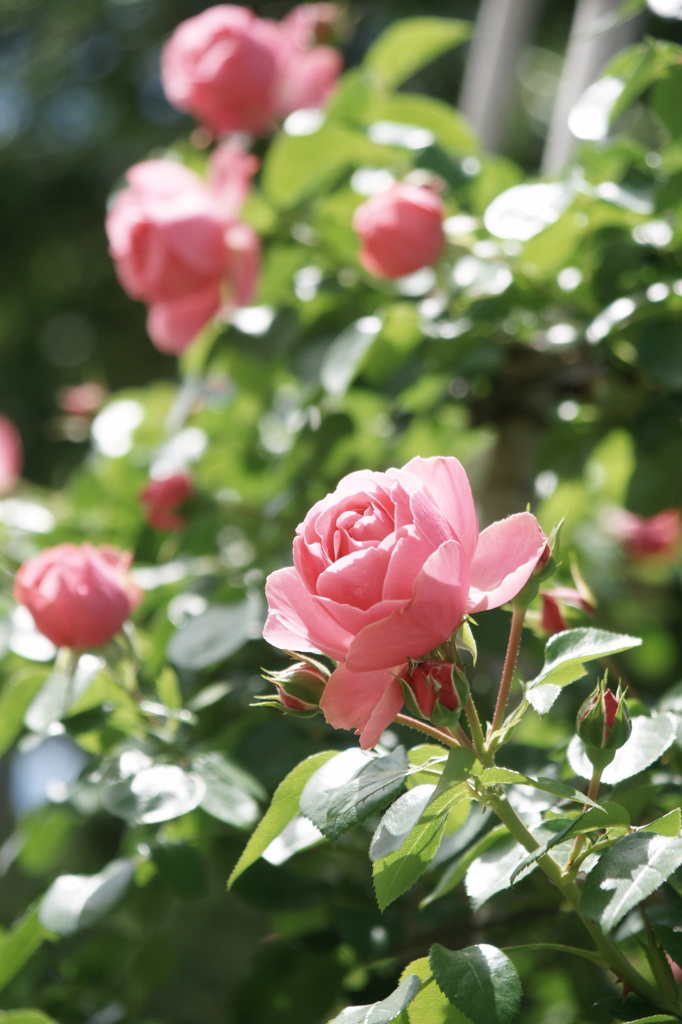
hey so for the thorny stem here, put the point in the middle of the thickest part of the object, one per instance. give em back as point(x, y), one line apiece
point(513, 644)
point(607, 948)
point(476, 731)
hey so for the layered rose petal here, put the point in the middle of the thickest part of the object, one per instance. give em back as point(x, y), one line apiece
point(297, 622)
point(365, 701)
point(174, 325)
point(506, 555)
point(447, 485)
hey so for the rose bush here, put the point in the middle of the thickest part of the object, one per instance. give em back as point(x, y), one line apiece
point(385, 569)
point(79, 596)
point(236, 72)
point(178, 246)
point(400, 230)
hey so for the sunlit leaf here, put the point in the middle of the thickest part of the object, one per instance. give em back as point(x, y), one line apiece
point(212, 636)
point(231, 794)
point(156, 793)
point(481, 981)
point(626, 874)
point(411, 43)
point(74, 902)
point(384, 1011)
point(650, 737)
point(19, 943)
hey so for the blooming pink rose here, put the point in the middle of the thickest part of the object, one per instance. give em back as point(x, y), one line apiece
point(78, 596)
point(385, 569)
point(178, 246)
point(657, 535)
point(236, 72)
point(11, 455)
point(161, 500)
point(401, 230)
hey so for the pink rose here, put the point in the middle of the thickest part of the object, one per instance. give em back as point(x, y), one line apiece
point(161, 500)
point(385, 569)
point(236, 72)
point(657, 535)
point(78, 596)
point(11, 455)
point(401, 230)
point(178, 246)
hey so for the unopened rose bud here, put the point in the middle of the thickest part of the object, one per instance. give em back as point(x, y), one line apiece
point(437, 691)
point(603, 724)
point(299, 689)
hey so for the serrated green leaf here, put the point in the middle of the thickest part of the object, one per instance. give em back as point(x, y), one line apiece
point(491, 872)
point(481, 981)
point(456, 872)
point(395, 873)
point(19, 943)
point(626, 874)
point(499, 776)
point(335, 809)
point(650, 737)
point(430, 757)
point(74, 902)
point(384, 1011)
point(282, 810)
point(410, 44)
point(565, 657)
point(158, 792)
point(429, 1006)
point(669, 824)
point(399, 820)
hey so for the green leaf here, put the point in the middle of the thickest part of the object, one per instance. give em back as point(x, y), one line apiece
point(19, 943)
point(626, 874)
point(62, 690)
point(491, 872)
point(650, 737)
point(396, 872)
point(213, 636)
point(671, 941)
point(481, 981)
point(498, 776)
point(15, 699)
point(456, 872)
point(181, 866)
point(25, 1017)
point(232, 795)
point(335, 807)
point(565, 657)
point(385, 1011)
point(429, 1006)
point(410, 44)
point(429, 756)
point(156, 793)
point(346, 353)
point(669, 824)
point(399, 820)
point(282, 810)
point(74, 902)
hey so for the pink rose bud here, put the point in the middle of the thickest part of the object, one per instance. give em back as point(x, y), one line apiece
point(641, 537)
point(603, 724)
point(178, 246)
point(236, 72)
point(299, 689)
point(79, 596)
point(161, 500)
point(551, 615)
point(385, 569)
point(400, 230)
point(438, 690)
point(11, 455)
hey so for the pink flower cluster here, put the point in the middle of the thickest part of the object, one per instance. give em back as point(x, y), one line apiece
point(236, 72)
point(178, 244)
point(385, 569)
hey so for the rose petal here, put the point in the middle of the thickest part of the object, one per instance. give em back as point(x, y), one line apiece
point(447, 484)
point(366, 701)
point(173, 325)
point(297, 622)
point(506, 555)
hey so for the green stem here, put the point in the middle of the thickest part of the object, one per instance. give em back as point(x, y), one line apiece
point(592, 793)
point(443, 736)
point(513, 644)
point(477, 731)
point(606, 947)
point(659, 964)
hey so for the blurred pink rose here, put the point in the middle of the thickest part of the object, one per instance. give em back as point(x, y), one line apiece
point(401, 230)
point(657, 535)
point(551, 613)
point(161, 500)
point(79, 596)
point(11, 455)
point(178, 246)
point(82, 399)
point(236, 72)
point(385, 569)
